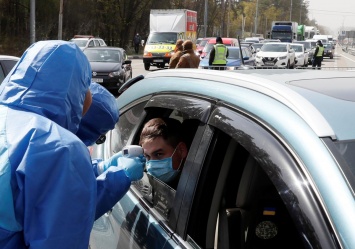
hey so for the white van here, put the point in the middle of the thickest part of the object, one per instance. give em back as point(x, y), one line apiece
point(323, 38)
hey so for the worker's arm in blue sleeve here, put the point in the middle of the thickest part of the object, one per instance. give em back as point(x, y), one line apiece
point(58, 194)
point(114, 183)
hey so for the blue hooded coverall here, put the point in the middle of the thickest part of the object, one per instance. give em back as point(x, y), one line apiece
point(101, 117)
point(48, 188)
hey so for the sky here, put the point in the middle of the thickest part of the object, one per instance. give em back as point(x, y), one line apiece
point(334, 14)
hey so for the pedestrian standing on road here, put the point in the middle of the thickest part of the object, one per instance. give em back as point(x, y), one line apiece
point(318, 55)
point(48, 188)
point(189, 59)
point(218, 55)
point(137, 42)
point(177, 53)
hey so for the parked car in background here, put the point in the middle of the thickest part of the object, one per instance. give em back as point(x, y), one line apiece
point(7, 62)
point(271, 40)
point(301, 55)
point(254, 39)
point(249, 45)
point(270, 162)
point(233, 60)
point(329, 50)
point(110, 66)
point(202, 43)
point(85, 41)
point(276, 54)
point(257, 46)
point(230, 42)
point(309, 48)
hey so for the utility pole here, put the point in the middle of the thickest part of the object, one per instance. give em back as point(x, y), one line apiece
point(205, 17)
point(60, 22)
point(256, 17)
point(291, 11)
point(32, 21)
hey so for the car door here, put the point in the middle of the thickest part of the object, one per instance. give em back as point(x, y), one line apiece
point(126, 66)
point(244, 191)
point(146, 216)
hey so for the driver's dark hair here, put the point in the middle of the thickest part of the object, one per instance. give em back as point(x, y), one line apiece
point(167, 128)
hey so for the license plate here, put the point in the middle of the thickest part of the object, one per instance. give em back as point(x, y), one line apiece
point(98, 80)
point(269, 63)
point(158, 60)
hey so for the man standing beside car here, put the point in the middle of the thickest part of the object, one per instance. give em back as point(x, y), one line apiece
point(177, 54)
point(136, 42)
point(318, 55)
point(189, 59)
point(218, 55)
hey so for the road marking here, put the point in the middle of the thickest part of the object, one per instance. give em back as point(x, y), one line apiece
point(347, 58)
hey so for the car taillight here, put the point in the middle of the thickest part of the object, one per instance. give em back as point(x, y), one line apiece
point(148, 54)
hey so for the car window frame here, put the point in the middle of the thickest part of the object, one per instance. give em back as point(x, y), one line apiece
point(322, 227)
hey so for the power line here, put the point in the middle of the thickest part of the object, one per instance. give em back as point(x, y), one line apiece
point(332, 11)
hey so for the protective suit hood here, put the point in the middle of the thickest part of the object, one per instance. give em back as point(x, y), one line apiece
point(101, 116)
point(48, 80)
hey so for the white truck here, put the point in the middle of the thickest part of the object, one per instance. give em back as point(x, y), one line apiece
point(166, 27)
point(310, 31)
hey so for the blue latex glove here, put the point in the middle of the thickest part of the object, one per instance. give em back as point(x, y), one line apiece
point(101, 166)
point(133, 167)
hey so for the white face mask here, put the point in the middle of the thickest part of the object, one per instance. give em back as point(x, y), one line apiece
point(163, 169)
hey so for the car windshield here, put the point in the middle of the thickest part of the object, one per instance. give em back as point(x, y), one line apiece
point(157, 38)
point(100, 55)
point(203, 43)
point(280, 35)
point(307, 45)
point(274, 48)
point(80, 43)
point(257, 45)
point(297, 48)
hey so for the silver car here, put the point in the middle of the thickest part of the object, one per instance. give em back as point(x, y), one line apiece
point(271, 161)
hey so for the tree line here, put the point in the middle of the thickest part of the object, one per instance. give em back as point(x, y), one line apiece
point(117, 21)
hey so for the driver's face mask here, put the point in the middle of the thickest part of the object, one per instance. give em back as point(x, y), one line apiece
point(163, 169)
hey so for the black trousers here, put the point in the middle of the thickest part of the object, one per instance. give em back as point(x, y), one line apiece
point(317, 61)
point(136, 48)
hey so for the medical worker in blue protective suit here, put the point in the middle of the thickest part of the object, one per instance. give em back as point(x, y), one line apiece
point(48, 188)
point(101, 117)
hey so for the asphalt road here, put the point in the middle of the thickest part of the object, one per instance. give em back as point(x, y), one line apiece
point(341, 60)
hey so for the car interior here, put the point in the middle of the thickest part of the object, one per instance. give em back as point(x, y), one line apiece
point(238, 205)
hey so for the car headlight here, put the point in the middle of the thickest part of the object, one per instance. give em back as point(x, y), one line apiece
point(230, 68)
point(282, 57)
point(114, 74)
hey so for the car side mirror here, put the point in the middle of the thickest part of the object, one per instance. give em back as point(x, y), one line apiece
point(129, 62)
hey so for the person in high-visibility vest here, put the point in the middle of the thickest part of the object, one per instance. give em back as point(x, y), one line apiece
point(218, 55)
point(318, 55)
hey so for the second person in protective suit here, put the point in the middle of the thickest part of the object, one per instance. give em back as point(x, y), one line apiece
point(50, 195)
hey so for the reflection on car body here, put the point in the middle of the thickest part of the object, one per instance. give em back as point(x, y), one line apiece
point(270, 162)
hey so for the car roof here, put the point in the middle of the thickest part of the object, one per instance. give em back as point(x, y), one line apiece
point(312, 94)
point(225, 40)
point(104, 48)
point(9, 57)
